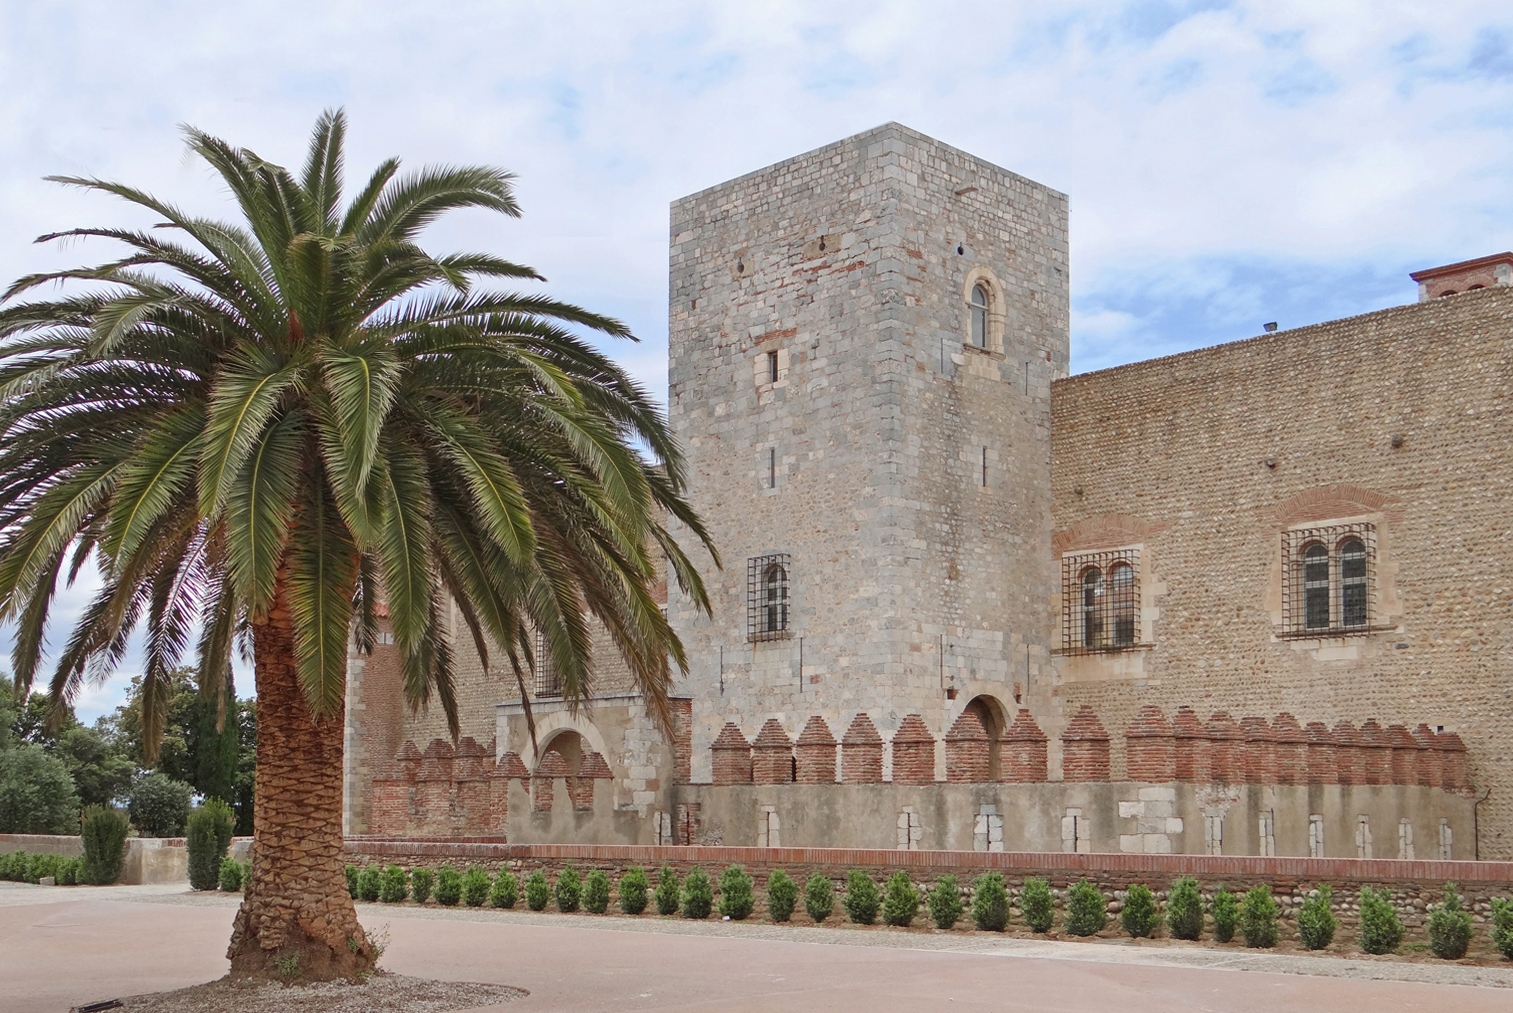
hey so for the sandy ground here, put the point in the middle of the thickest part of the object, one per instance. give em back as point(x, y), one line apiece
point(60, 947)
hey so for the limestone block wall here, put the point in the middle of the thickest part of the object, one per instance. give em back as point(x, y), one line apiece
point(1397, 419)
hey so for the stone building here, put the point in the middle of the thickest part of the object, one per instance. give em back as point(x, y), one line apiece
point(1245, 600)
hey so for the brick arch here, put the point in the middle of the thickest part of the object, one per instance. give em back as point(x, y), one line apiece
point(1103, 531)
point(552, 725)
point(1327, 502)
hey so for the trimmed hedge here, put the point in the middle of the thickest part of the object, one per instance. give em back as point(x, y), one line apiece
point(1449, 927)
point(352, 874)
point(394, 885)
point(819, 897)
point(990, 903)
point(782, 896)
point(1139, 917)
point(736, 897)
point(1226, 912)
point(698, 894)
point(103, 834)
point(233, 876)
point(1502, 926)
point(860, 900)
point(448, 885)
point(944, 902)
point(1258, 917)
point(421, 881)
point(596, 890)
point(1316, 921)
point(635, 890)
point(1086, 909)
point(569, 890)
point(506, 890)
point(538, 892)
point(1381, 929)
point(669, 895)
point(475, 886)
point(900, 900)
point(1038, 905)
point(369, 883)
point(207, 837)
point(1184, 909)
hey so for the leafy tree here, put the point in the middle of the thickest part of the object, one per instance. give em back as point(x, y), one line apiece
point(159, 805)
point(96, 764)
point(36, 794)
point(259, 429)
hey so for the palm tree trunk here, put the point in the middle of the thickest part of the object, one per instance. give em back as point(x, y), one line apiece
point(296, 912)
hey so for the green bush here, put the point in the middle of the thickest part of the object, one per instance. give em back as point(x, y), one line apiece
point(1258, 917)
point(569, 890)
point(596, 892)
point(698, 894)
point(669, 892)
point(990, 903)
point(634, 890)
point(736, 897)
point(1226, 911)
point(369, 883)
point(860, 899)
point(819, 897)
point(944, 902)
point(71, 872)
point(448, 885)
point(900, 900)
point(1037, 904)
point(232, 876)
point(394, 885)
point(1502, 926)
point(506, 890)
point(1184, 909)
point(421, 881)
point(1316, 921)
point(1449, 927)
point(475, 886)
point(782, 896)
point(208, 836)
point(158, 805)
point(10, 868)
point(1139, 916)
point(104, 833)
point(39, 866)
point(1086, 909)
point(352, 873)
point(537, 891)
point(37, 795)
point(1381, 929)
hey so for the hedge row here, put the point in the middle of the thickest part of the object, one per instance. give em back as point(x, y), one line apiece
point(988, 905)
point(21, 867)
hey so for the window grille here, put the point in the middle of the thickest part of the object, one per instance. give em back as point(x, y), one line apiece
point(1100, 594)
point(767, 583)
point(1329, 584)
point(548, 679)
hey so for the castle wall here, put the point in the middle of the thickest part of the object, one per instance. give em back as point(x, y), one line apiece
point(1397, 420)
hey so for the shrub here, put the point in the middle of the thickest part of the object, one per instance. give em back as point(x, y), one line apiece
point(369, 883)
point(1502, 926)
point(70, 871)
point(1258, 917)
point(1184, 909)
point(736, 898)
point(1086, 909)
point(1449, 927)
point(782, 896)
point(537, 891)
point(634, 888)
point(1036, 903)
point(209, 835)
point(506, 890)
point(352, 880)
point(698, 894)
point(944, 902)
point(37, 795)
point(669, 893)
point(819, 897)
point(1226, 911)
point(9, 867)
point(38, 866)
point(232, 875)
point(860, 900)
point(900, 900)
point(104, 836)
point(475, 886)
point(1139, 916)
point(990, 903)
point(159, 805)
point(596, 892)
point(420, 884)
point(394, 885)
point(569, 890)
point(448, 885)
point(1381, 929)
point(1316, 922)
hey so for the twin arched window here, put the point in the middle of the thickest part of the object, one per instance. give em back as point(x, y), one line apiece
point(977, 307)
point(1110, 606)
point(1334, 585)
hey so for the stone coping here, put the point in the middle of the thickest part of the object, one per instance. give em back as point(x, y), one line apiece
point(1201, 866)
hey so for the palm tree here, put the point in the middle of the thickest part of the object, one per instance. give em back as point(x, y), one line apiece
point(259, 432)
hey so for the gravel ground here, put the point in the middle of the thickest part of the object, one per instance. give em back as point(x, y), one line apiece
point(381, 993)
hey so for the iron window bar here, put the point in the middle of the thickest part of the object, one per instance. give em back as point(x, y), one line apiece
point(767, 595)
point(1329, 580)
point(548, 679)
point(1100, 601)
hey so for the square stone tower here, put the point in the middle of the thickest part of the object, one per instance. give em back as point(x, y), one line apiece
point(861, 349)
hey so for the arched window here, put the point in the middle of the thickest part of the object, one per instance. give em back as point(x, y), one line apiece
point(1316, 587)
point(1124, 606)
point(979, 310)
point(1352, 582)
point(1092, 610)
point(775, 599)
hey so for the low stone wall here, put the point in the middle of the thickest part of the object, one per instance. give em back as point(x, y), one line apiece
point(148, 859)
point(1413, 885)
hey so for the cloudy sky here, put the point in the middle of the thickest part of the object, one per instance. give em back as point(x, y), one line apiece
point(1228, 163)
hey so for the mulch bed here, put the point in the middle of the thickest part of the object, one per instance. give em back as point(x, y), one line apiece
point(380, 993)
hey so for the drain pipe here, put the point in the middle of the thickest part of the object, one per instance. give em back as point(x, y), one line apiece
point(1476, 822)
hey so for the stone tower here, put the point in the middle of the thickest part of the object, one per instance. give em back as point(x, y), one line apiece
point(862, 342)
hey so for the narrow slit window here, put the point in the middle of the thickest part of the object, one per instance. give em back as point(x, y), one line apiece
point(978, 309)
point(984, 467)
point(772, 467)
point(772, 367)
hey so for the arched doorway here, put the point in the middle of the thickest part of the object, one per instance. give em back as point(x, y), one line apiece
point(995, 721)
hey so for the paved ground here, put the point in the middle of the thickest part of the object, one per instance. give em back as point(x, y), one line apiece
point(60, 947)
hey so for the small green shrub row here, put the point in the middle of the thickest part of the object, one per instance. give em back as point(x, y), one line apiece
point(233, 875)
point(23, 867)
